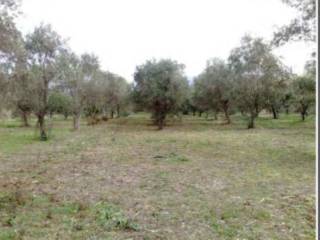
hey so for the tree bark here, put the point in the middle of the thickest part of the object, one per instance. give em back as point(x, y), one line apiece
point(225, 107)
point(112, 113)
point(226, 113)
point(160, 120)
point(161, 123)
point(274, 112)
point(24, 116)
point(76, 122)
point(118, 111)
point(304, 111)
point(251, 123)
point(43, 133)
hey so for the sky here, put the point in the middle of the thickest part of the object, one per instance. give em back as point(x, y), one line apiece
point(125, 33)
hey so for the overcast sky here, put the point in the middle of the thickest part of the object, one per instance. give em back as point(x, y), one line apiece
point(124, 33)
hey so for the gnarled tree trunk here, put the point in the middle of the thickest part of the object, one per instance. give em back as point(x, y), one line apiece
point(274, 112)
point(251, 123)
point(42, 127)
point(24, 117)
point(304, 111)
point(225, 107)
point(76, 121)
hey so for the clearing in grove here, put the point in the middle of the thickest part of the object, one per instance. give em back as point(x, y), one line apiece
point(123, 179)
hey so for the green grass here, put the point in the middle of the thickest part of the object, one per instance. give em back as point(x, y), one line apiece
point(124, 179)
point(37, 216)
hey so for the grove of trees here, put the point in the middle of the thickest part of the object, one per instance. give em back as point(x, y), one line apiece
point(40, 75)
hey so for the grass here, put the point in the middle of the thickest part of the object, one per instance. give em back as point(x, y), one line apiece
point(196, 179)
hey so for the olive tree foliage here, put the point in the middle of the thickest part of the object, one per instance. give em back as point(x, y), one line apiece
point(8, 31)
point(75, 73)
point(22, 91)
point(92, 91)
point(116, 94)
point(59, 103)
point(18, 86)
point(107, 93)
point(94, 88)
point(214, 88)
point(43, 46)
point(21, 87)
point(10, 38)
point(277, 88)
point(256, 71)
point(94, 101)
point(188, 105)
point(301, 28)
point(304, 88)
point(201, 98)
point(160, 87)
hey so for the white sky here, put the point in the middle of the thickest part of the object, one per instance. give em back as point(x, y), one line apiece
point(124, 33)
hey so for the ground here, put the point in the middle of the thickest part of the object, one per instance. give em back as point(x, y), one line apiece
point(123, 179)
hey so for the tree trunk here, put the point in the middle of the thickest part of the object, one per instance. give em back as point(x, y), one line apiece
point(215, 115)
point(226, 114)
point(274, 112)
point(112, 113)
point(118, 111)
point(225, 107)
point(251, 123)
point(41, 121)
point(76, 122)
point(304, 110)
point(193, 112)
point(200, 113)
point(24, 116)
point(65, 116)
point(160, 119)
point(160, 124)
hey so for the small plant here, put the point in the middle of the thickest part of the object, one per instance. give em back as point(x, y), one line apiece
point(112, 217)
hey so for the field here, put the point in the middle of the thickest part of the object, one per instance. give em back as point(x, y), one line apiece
point(196, 179)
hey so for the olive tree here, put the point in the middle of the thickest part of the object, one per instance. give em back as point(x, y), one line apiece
point(202, 97)
point(116, 93)
point(10, 43)
point(215, 86)
point(43, 46)
point(304, 90)
point(277, 90)
point(22, 95)
point(59, 103)
point(160, 87)
point(255, 69)
point(76, 75)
